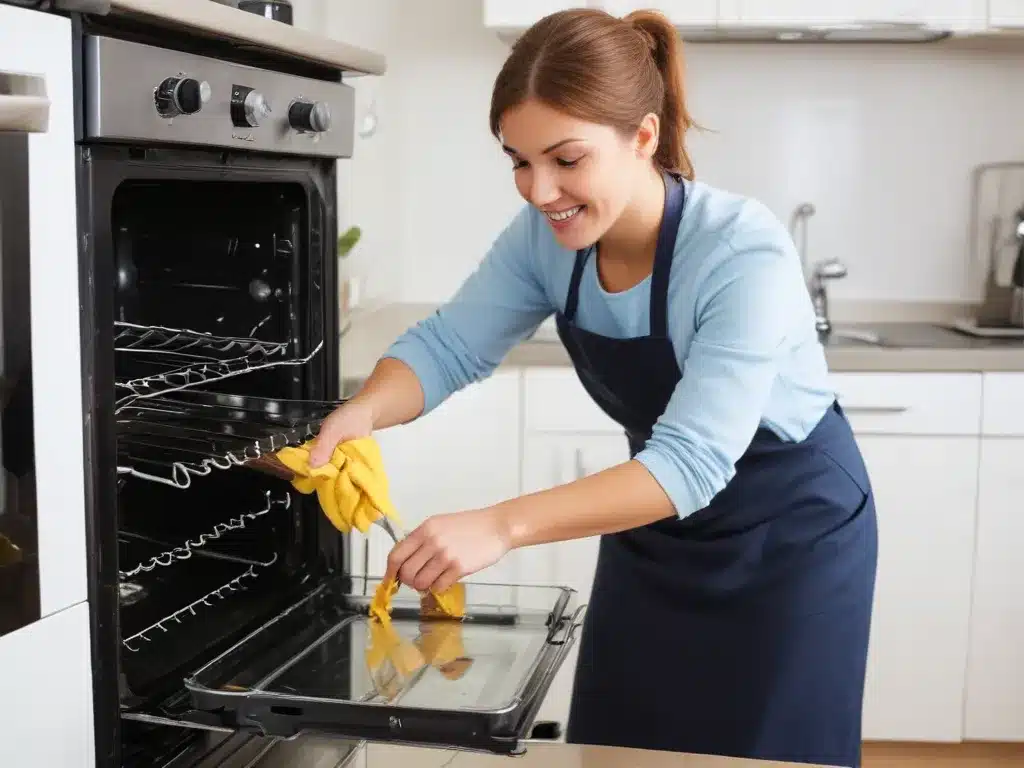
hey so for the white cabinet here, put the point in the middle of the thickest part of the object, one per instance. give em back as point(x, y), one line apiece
point(925, 489)
point(550, 460)
point(518, 15)
point(462, 455)
point(1006, 14)
point(920, 436)
point(944, 14)
point(995, 673)
point(682, 13)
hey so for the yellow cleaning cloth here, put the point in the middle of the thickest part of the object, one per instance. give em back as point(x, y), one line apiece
point(352, 487)
point(448, 604)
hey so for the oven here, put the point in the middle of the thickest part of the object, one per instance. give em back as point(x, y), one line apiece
point(184, 321)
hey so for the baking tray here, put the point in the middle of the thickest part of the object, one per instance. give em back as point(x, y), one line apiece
point(307, 670)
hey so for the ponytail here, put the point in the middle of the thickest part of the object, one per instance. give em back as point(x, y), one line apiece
point(605, 70)
point(667, 51)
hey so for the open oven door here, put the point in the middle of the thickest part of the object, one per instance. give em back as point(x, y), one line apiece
point(324, 667)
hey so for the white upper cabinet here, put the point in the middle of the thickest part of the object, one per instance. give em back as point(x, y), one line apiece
point(518, 15)
point(682, 13)
point(940, 14)
point(1006, 14)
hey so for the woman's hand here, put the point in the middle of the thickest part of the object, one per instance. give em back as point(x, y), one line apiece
point(446, 548)
point(350, 421)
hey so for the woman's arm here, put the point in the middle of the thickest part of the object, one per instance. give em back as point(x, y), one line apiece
point(753, 303)
point(464, 341)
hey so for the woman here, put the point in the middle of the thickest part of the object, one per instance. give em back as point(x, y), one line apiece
point(732, 599)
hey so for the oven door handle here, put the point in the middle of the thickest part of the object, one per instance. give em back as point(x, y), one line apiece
point(24, 104)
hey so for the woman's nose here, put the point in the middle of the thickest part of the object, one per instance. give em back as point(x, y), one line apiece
point(543, 189)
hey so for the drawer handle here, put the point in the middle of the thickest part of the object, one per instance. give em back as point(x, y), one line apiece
point(875, 408)
point(581, 471)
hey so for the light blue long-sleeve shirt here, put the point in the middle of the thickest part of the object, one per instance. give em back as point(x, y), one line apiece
point(739, 317)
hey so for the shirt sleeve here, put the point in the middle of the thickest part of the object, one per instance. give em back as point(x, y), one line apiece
point(750, 305)
point(499, 304)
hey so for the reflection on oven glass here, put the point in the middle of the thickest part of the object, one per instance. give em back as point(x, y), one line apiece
point(19, 555)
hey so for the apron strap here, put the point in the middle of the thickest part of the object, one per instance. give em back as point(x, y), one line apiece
point(572, 300)
point(675, 196)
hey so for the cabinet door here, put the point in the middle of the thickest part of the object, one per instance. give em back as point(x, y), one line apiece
point(462, 455)
point(1007, 14)
point(520, 14)
point(682, 13)
point(43, 547)
point(953, 14)
point(552, 460)
point(925, 490)
point(995, 676)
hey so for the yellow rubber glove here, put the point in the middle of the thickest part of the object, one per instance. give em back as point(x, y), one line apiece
point(352, 487)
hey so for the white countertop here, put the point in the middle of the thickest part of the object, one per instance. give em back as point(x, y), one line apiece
point(917, 347)
point(242, 27)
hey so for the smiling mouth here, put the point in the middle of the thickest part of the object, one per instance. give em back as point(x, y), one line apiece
point(565, 215)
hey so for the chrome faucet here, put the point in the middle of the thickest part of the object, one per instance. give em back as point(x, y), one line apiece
point(830, 269)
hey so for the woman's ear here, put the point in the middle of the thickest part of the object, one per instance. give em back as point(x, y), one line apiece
point(647, 136)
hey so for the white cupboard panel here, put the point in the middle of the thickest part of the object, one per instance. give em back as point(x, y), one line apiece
point(462, 455)
point(552, 460)
point(1008, 14)
point(1003, 412)
point(47, 704)
point(995, 671)
point(925, 490)
point(682, 13)
point(911, 403)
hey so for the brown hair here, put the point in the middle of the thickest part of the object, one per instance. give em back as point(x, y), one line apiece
point(603, 69)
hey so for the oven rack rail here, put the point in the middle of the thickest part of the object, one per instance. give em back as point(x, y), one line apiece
point(172, 439)
point(186, 358)
point(191, 546)
point(237, 584)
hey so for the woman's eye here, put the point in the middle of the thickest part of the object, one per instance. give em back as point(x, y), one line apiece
point(517, 164)
point(568, 163)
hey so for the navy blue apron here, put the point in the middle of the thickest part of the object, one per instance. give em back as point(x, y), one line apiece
point(741, 629)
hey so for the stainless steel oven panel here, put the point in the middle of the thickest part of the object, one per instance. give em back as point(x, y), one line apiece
point(137, 92)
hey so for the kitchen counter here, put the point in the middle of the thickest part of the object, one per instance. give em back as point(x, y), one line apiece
point(916, 346)
point(555, 756)
point(204, 17)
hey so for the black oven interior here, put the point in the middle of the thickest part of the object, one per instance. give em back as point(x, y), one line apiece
point(213, 295)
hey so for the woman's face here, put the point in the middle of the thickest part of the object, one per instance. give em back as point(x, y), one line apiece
point(581, 175)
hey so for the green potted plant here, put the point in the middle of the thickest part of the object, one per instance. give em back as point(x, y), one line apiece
point(348, 286)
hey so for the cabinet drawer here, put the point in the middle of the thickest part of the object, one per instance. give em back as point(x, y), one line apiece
point(1003, 412)
point(555, 401)
point(911, 403)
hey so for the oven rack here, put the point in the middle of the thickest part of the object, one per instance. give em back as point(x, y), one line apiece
point(220, 593)
point(171, 439)
point(179, 359)
point(190, 546)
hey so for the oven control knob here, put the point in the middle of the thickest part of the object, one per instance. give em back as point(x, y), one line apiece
point(181, 96)
point(248, 107)
point(310, 116)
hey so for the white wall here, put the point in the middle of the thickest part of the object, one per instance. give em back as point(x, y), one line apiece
point(881, 139)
